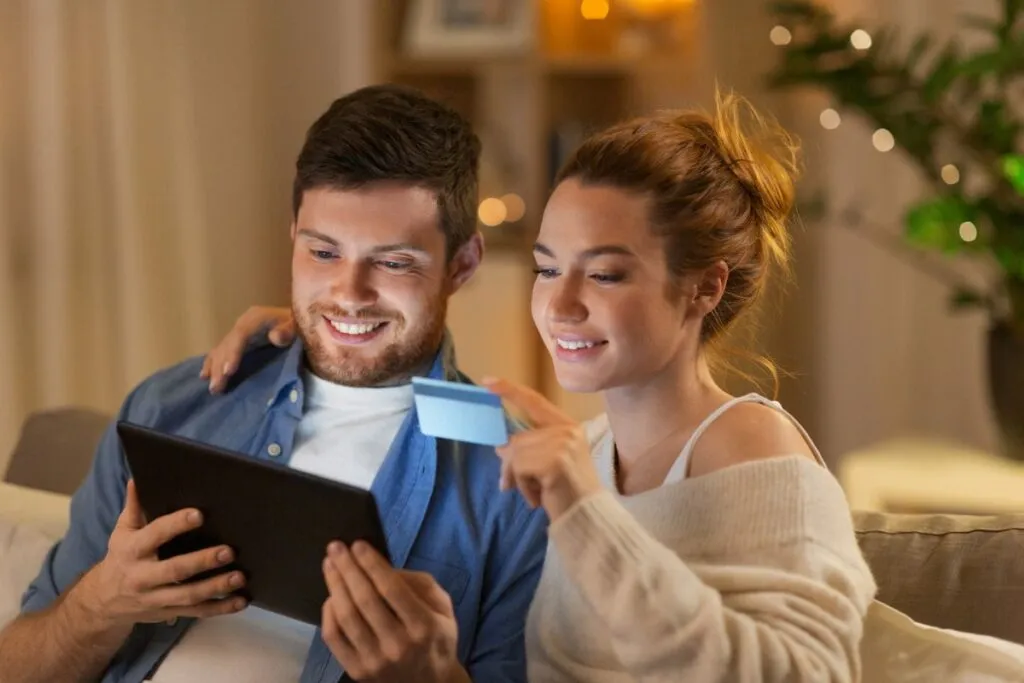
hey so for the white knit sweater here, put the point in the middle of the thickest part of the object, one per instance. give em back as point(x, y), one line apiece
point(750, 573)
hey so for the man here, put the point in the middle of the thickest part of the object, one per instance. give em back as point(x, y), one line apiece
point(384, 231)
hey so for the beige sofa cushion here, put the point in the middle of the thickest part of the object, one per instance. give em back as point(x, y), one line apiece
point(957, 572)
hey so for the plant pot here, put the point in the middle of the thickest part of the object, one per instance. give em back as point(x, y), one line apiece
point(1006, 387)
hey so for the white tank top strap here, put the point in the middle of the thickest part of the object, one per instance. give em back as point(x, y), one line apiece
point(682, 464)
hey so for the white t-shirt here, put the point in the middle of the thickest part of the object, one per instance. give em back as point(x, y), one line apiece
point(345, 434)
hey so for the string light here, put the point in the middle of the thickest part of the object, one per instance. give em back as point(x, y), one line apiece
point(883, 140)
point(830, 119)
point(594, 9)
point(860, 39)
point(780, 35)
point(492, 212)
point(950, 174)
point(968, 231)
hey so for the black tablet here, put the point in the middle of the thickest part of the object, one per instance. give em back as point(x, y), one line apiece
point(278, 520)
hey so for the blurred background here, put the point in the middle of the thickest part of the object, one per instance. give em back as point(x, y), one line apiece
point(147, 151)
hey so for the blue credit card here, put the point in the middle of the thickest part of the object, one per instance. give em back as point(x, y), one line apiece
point(460, 412)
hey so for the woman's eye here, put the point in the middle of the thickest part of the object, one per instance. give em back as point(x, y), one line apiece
point(545, 273)
point(607, 278)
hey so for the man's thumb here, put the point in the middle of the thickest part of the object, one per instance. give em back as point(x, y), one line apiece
point(132, 516)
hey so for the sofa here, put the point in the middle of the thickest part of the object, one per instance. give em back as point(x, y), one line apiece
point(956, 572)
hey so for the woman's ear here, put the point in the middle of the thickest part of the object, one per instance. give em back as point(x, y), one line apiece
point(710, 287)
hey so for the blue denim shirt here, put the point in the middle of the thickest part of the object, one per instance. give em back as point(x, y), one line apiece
point(442, 513)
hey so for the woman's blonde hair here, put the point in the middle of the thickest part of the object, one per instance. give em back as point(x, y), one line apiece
point(722, 188)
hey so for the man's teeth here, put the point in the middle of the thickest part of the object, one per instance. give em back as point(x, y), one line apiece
point(575, 344)
point(345, 328)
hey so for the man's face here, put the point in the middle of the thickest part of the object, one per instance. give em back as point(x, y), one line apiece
point(370, 281)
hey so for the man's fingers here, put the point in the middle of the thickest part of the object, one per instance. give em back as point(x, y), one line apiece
point(389, 585)
point(365, 594)
point(193, 594)
point(163, 529)
point(184, 567)
point(427, 589)
point(339, 645)
point(352, 624)
point(132, 518)
point(539, 411)
point(205, 610)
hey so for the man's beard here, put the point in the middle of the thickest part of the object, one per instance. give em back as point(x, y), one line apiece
point(354, 366)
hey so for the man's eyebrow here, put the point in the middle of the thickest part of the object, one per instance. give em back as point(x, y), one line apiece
point(382, 249)
point(400, 246)
point(315, 234)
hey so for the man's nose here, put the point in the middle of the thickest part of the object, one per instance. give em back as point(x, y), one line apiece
point(352, 288)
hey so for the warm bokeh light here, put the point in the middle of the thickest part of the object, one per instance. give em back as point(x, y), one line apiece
point(594, 9)
point(492, 212)
point(653, 9)
point(830, 119)
point(860, 39)
point(515, 207)
point(968, 231)
point(950, 174)
point(883, 140)
point(780, 35)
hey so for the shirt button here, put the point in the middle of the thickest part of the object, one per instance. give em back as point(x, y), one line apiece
point(274, 450)
point(294, 396)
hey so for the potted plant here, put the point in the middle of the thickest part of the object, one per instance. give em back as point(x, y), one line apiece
point(951, 112)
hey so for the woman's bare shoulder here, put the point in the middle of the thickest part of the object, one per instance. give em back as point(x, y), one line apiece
point(746, 432)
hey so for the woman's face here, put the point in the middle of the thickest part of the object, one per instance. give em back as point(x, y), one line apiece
point(600, 300)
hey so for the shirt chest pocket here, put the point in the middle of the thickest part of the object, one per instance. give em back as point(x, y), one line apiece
point(453, 578)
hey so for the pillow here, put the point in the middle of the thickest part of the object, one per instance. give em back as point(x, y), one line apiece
point(30, 522)
point(22, 549)
point(897, 649)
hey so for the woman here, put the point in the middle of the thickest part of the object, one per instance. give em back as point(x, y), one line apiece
point(695, 535)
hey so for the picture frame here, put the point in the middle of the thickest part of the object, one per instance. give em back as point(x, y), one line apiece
point(438, 29)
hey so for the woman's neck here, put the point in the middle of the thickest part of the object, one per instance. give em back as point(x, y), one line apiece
point(659, 415)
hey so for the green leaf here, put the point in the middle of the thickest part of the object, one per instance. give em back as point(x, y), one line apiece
point(993, 127)
point(921, 45)
point(962, 298)
point(981, 23)
point(935, 223)
point(1013, 170)
point(981, 64)
point(795, 8)
point(942, 75)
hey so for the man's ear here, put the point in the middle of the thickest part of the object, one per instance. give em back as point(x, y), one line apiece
point(465, 261)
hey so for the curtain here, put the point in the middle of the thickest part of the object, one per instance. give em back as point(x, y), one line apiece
point(145, 165)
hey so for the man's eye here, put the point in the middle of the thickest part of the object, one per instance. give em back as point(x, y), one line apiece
point(394, 265)
point(322, 254)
